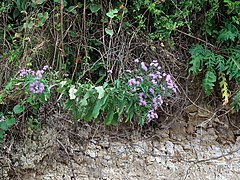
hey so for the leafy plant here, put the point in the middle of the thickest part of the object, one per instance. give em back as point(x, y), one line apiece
point(5, 123)
point(27, 91)
point(138, 94)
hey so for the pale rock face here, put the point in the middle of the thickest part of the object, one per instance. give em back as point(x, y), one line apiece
point(194, 157)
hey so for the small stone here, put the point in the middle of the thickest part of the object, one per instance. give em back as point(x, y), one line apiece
point(150, 159)
point(107, 157)
point(91, 153)
point(161, 159)
point(169, 147)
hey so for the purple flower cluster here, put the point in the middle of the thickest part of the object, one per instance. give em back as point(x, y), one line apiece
point(141, 97)
point(157, 101)
point(170, 84)
point(39, 73)
point(133, 81)
point(25, 72)
point(144, 67)
point(151, 115)
point(148, 84)
point(36, 87)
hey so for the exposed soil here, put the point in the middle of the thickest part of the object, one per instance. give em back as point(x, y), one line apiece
point(197, 145)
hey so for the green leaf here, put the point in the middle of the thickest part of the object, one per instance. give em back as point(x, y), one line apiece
point(208, 81)
point(72, 9)
point(121, 106)
point(97, 109)
point(112, 13)
point(3, 125)
point(98, 106)
point(196, 58)
point(88, 112)
point(115, 120)
point(130, 112)
point(110, 115)
point(84, 102)
point(100, 92)
point(142, 120)
point(95, 8)
point(109, 31)
point(38, 1)
point(10, 121)
point(18, 109)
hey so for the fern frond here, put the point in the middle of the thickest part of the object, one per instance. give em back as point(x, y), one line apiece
point(224, 88)
point(197, 53)
point(200, 56)
point(208, 81)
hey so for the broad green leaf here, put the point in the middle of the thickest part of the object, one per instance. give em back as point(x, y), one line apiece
point(3, 125)
point(95, 8)
point(121, 106)
point(63, 83)
point(115, 119)
point(10, 121)
point(18, 109)
point(38, 1)
point(2, 132)
point(109, 31)
point(98, 106)
point(110, 115)
point(130, 112)
point(112, 13)
point(84, 102)
point(142, 120)
point(88, 112)
point(96, 109)
point(100, 91)
point(72, 9)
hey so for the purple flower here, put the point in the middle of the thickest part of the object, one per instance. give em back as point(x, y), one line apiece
point(152, 115)
point(45, 67)
point(136, 60)
point(141, 95)
point(160, 100)
point(23, 72)
point(153, 76)
point(144, 67)
point(159, 76)
point(132, 82)
point(39, 73)
point(151, 91)
point(154, 81)
point(140, 78)
point(154, 105)
point(142, 103)
point(170, 84)
point(154, 63)
point(36, 87)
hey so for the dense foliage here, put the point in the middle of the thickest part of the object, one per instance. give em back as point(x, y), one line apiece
point(81, 52)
